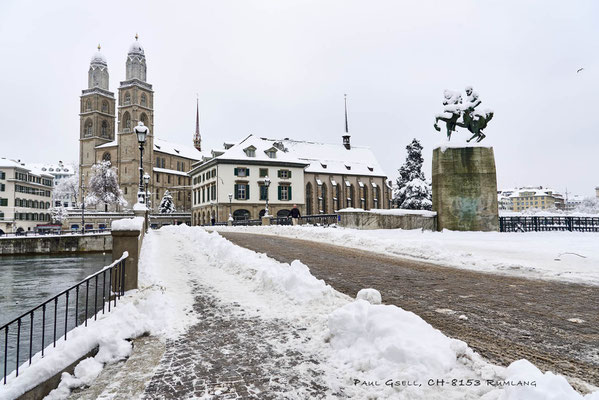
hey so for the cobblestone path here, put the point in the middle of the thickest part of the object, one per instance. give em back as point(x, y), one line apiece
point(554, 325)
point(232, 355)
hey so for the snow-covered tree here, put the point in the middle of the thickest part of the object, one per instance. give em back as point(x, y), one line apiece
point(103, 186)
point(167, 205)
point(68, 188)
point(59, 214)
point(589, 205)
point(413, 190)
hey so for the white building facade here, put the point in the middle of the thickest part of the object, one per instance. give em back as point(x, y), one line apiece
point(25, 197)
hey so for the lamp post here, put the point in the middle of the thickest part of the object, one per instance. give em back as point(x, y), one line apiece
point(141, 131)
point(267, 184)
point(230, 200)
point(146, 182)
point(82, 209)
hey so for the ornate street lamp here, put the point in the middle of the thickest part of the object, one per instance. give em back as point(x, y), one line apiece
point(83, 209)
point(142, 132)
point(230, 200)
point(267, 184)
point(146, 182)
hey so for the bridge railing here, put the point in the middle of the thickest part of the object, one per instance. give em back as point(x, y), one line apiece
point(24, 336)
point(542, 224)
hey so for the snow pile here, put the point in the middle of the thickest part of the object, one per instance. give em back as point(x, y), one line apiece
point(292, 280)
point(372, 296)
point(392, 211)
point(566, 256)
point(128, 224)
point(139, 207)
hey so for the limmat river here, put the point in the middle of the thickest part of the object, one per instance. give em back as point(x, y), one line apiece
point(26, 282)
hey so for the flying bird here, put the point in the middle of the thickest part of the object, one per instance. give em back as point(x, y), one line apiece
point(579, 70)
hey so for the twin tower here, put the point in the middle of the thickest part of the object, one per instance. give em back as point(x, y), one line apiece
point(99, 122)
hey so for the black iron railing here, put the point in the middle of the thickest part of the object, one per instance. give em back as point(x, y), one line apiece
point(281, 221)
point(541, 224)
point(69, 232)
point(320, 219)
point(30, 332)
point(247, 222)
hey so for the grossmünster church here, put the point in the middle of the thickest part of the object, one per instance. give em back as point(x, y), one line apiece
point(106, 133)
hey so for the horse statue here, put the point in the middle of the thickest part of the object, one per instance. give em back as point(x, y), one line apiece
point(464, 115)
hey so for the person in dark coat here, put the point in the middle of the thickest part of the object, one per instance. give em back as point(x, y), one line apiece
point(295, 212)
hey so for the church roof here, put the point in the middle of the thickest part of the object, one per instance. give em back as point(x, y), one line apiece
point(258, 148)
point(175, 149)
point(328, 158)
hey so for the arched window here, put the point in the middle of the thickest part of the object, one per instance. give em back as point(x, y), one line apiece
point(309, 210)
point(241, 215)
point(127, 98)
point(283, 213)
point(377, 197)
point(88, 105)
point(104, 129)
point(365, 198)
point(106, 156)
point(350, 196)
point(144, 100)
point(105, 106)
point(88, 127)
point(47, 205)
point(126, 120)
point(325, 207)
point(144, 118)
point(36, 204)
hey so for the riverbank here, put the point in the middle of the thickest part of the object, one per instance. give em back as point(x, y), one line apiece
point(56, 244)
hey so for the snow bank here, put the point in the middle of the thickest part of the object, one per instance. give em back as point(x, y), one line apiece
point(372, 296)
point(565, 256)
point(393, 211)
point(128, 224)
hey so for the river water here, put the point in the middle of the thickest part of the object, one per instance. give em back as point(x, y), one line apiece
point(27, 281)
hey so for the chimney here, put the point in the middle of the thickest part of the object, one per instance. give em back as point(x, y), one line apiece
point(346, 142)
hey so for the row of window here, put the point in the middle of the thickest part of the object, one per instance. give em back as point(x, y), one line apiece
point(242, 192)
point(105, 107)
point(526, 203)
point(88, 130)
point(33, 179)
point(205, 176)
point(251, 152)
point(181, 180)
point(30, 190)
point(319, 198)
point(32, 204)
point(32, 217)
point(205, 194)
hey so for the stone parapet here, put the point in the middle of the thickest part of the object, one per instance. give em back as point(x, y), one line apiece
point(388, 219)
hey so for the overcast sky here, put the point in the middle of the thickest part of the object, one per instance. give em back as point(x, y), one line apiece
point(280, 69)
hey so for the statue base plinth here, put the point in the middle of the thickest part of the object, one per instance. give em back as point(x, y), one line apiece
point(465, 189)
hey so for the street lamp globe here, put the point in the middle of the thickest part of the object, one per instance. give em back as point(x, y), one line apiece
point(146, 179)
point(141, 131)
point(267, 181)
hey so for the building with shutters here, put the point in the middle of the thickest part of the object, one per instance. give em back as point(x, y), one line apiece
point(25, 197)
point(319, 178)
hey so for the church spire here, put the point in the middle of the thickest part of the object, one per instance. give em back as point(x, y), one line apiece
point(197, 139)
point(346, 136)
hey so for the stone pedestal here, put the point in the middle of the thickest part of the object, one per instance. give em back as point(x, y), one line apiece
point(266, 221)
point(465, 189)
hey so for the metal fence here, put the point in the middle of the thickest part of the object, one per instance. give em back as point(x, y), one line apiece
point(320, 219)
point(29, 333)
point(61, 233)
point(541, 224)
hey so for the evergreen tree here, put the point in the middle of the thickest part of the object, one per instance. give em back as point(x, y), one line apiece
point(103, 186)
point(167, 205)
point(413, 192)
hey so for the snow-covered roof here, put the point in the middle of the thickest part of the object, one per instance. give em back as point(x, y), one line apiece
point(60, 168)
point(31, 168)
point(98, 58)
point(170, 171)
point(109, 144)
point(328, 158)
point(136, 48)
point(254, 148)
point(534, 192)
point(175, 149)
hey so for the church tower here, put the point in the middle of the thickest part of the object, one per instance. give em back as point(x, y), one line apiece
point(136, 103)
point(97, 115)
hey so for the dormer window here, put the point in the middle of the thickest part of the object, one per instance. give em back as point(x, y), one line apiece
point(250, 151)
point(370, 169)
point(271, 153)
point(347, 166)
point(323, 165)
